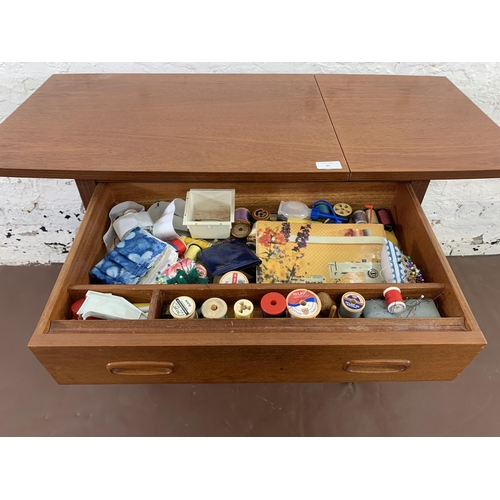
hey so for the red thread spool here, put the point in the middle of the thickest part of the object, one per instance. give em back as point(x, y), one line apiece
point(394, 300)
point(179, 245)
point(273, 305)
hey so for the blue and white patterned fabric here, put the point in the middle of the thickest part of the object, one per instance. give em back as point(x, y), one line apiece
point(392, 270)
point(130, 259)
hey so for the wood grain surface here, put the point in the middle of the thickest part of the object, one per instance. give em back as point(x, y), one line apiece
point(410, 128)
point(172, 127)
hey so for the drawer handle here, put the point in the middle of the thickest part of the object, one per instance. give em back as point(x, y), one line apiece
point(376, 365)
point(140, 368)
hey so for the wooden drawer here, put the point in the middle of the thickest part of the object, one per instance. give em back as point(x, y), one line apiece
point(260, 349)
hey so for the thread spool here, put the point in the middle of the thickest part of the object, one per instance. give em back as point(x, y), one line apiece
point(233, 278)
point(302, 303)
point(326, 303)
point(371, 215)
point(242, 224)
point(192, 251)
point(201, 243)
point(183, 308)
point(322, 207)
point(179, 246)
point(342, 209)
point(214, 308)
point(359, 217)
point(273, 305)
point(261, 214)
point(394, 300)
point(243, 309)
point(385, 218)
point(351, 305)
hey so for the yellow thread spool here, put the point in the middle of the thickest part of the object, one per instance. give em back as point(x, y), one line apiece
point(192, 251)
point(243, 309)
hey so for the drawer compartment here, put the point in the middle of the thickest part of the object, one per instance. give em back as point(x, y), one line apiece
point(159, 350)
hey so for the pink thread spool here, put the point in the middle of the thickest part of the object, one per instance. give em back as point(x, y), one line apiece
point(394, 300)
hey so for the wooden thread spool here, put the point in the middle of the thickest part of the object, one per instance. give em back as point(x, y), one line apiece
point(261, 214)
point(233, 278)
point(303, 304)
point(351, 305)
point(214, 308)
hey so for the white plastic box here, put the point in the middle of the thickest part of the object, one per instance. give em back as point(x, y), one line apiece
point(209, 213)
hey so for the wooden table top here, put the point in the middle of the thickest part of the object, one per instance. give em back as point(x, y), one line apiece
point(172, 127)
point(410, 127)
point(236, 127)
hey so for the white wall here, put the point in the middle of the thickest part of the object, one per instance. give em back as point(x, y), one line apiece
point(38, 218)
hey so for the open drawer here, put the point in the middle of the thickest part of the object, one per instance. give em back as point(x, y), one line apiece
point(260, 349)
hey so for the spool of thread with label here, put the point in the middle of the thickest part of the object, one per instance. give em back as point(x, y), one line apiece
point(233, 278)
point(342, 209)
point(385, 218)
point(192, 251)
point(183, 308)
point(242, 224)
point(371, 216)
point(359, 217)
point(243, 309)
point(302, 303)
point(214, 308)
point(273, 305)
point(261, 214)
point(394, 300)
point(351, 305)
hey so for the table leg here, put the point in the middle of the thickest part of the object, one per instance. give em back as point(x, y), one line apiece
point(420, 188)
point(86, 189)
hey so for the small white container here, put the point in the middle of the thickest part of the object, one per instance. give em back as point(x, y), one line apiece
point(209, 213)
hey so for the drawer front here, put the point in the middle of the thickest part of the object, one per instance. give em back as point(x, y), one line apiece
point(258, 364)
point(257, 350)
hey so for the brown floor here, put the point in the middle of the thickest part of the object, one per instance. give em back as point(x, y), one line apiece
point(32, 404)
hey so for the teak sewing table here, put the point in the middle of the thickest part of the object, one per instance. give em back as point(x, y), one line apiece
point(149, 137)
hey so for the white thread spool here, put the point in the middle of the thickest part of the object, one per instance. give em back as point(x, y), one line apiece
point(183, 308)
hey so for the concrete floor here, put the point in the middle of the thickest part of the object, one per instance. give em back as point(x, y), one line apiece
point(32, 404)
